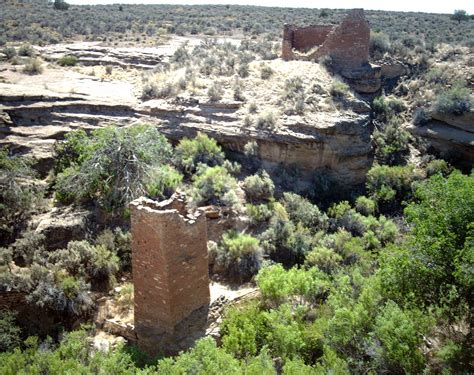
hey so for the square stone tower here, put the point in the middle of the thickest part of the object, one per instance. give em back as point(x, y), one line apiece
point(170, 274)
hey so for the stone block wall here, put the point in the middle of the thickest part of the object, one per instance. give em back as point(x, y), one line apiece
point(170, 272)
point(347, 43)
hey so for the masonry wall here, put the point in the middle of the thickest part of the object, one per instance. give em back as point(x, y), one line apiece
point(305, 38)
point(170, 271)
point(347, 43)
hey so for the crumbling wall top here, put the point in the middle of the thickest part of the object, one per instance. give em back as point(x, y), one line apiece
point(347, 43)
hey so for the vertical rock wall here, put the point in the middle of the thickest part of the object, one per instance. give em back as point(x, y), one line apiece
point(170, 274)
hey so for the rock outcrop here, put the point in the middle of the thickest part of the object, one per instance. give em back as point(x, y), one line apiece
point(35, 117)
point(61, 225)
point(449, 136)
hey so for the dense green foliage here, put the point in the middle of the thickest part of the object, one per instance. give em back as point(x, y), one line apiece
point(18, 194)
point(213, 185)
point(189, 153)
point(114, 166)
point(237, 257)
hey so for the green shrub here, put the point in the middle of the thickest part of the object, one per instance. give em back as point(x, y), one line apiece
point(324, 259)
point(259, 187)
point(285, 335)
point(163, 181)
point(380, 106)
point(284, 241)
point(18, 195)
point(56, 289)
point(455, 101)
point(278, 285)
point(238, 256)
point(420, 117)
point(438, 166)
point(33, 66)
point(213, 185)
point(293, 88)
point(266, 120)
point(243, 70)
point(95, 263)
point(9, 52)
point(301, 210)
point(118, 242)
point(389, 186)
point(392, 143)
point(204, 358)
point(200, 150)
point(243, 330)
point(401, 338)
point(365, 206)
point(215, 92)
point(339, 89)
point(265, 71)
point(68, 60)
point(9, 331)
point(73, 354)
point(114, 166)
point(260, 213)
point(379, 43)
point(432, 265)
point(26, 50)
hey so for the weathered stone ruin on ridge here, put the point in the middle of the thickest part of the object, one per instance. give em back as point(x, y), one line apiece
point(170, 274)
point(346, 45)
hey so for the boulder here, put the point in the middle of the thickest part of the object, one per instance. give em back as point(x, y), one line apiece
point(365, 80)
point(61, 225)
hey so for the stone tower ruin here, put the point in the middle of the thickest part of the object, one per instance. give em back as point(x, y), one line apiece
point(347, 43)
point(170, 274)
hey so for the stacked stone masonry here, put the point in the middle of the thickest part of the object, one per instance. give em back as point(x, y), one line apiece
point(347, 43)
point(170, 273)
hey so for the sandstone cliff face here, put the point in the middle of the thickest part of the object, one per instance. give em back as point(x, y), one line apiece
point(338, 143)
point(36, 111)
point(449, 136)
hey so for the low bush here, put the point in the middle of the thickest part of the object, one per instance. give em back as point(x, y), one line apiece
point(189, 153)
point(389, 186)
point(259, 187)
point(379, 43)
point(26, 50)
point(285, 241)
point(455, 101)
point(339, 89)
point(9, 52)
point(67, 60)
point(365, 206)
point(238, 256)
point(265, 71)
point(19, 196)
point(301, 210)
point(266, 120)
point(279, 286)
point(215, 92)
point(9, 331)
point(392, 143)
point(325, 259)
point(33, 66)
point(438, 166)
point(213, 185)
